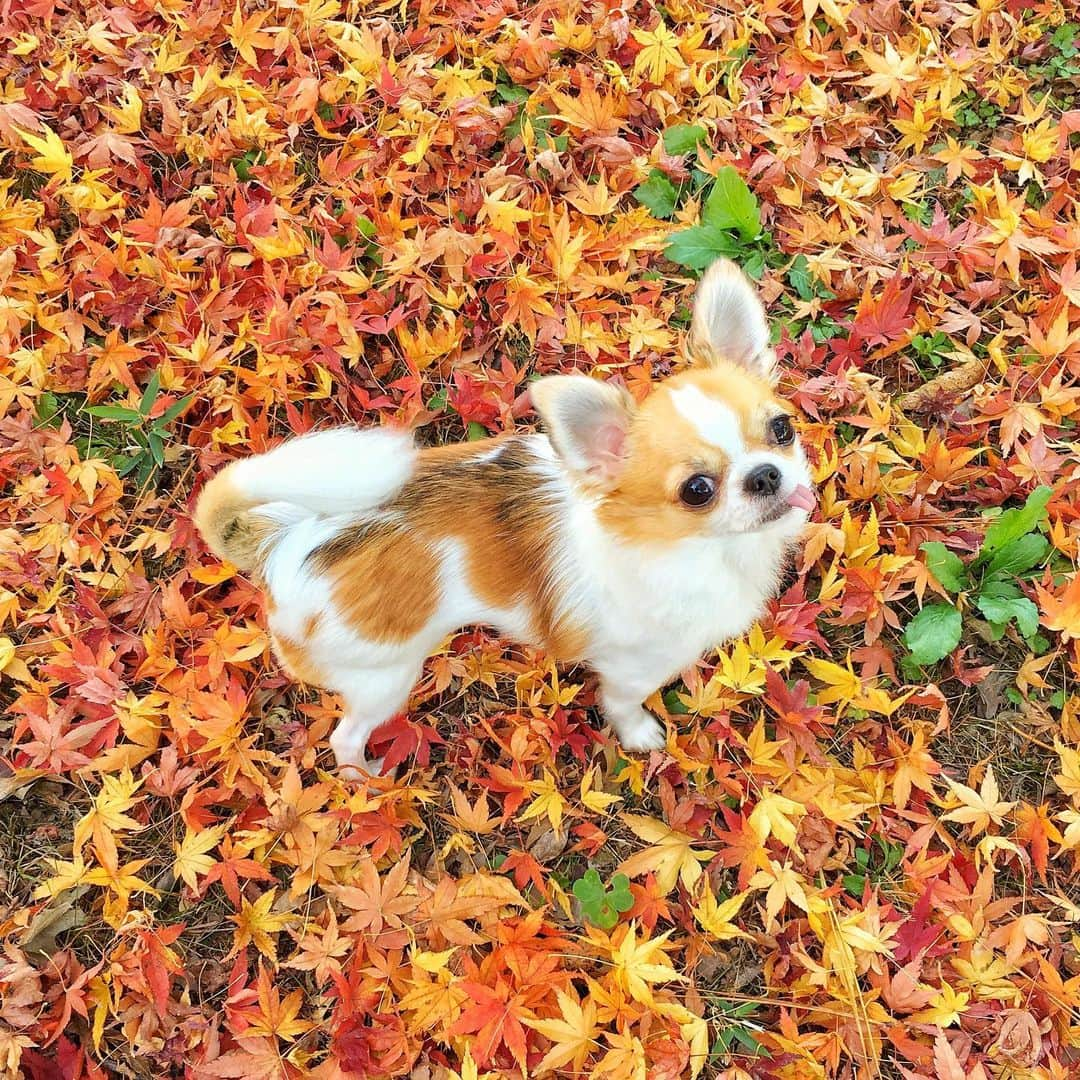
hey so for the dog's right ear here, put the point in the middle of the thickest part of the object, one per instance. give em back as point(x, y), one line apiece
point(729, 321)
point(587, 422)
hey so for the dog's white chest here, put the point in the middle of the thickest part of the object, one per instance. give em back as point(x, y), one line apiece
point(667, 608)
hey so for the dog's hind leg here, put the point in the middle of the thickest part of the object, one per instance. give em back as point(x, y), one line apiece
point(372, 697)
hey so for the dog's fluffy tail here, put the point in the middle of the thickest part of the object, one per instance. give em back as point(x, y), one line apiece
point(244, 507)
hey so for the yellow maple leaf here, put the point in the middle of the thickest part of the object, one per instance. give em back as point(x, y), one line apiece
point(255, 923)
point(915, 131)
point(890, 72)
point(959, 160)
point(127, 118)
point(1070, 839)
point(52, 156)
point(945, 1008)
point(988, 975)
point(10, 664)
point(548, 801)
point(117, 795)
point(469, 1069)
point(574, 1034)
point(591, 112)
point(660, 53)
point(1069, 777)
point(671, 857)
point(636, 966)
point(564, 248)
point(502, 213)
point(644, 332)
point(593, 200)
point(595, 800)
point(843, 685)
point(694, 1030)
point(830, 9)
point(624, 1061)
point(772, 817)
point(783, 883)
point(120, 881)
point(191, 854)
point(433, 962)
point(283, 245)
point(66, 875)
point(715, 918)
point(1040, 142)
point(246, 35)
point(979, 808)
point(739, 671)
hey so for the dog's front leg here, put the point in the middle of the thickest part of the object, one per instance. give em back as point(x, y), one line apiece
point(621, 695)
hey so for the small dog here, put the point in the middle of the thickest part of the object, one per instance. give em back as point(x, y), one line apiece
point(630, 537)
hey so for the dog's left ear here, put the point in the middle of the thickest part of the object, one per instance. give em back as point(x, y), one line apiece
point(729, 321)
point(588, 423)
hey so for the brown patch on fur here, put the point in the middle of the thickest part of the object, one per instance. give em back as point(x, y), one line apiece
point(665, 450)
point(494, 504)
point(387, 585)
point(295, 660)
point(489, 497)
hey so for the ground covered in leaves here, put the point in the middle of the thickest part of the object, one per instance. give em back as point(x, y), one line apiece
point(221, 224)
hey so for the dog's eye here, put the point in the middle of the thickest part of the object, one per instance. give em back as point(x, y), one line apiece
point(699, 490)
point(782, 431)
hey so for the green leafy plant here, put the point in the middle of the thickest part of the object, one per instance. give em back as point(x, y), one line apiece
point(931, 349)
point(247, 161)
point(807, 287)
point(136, 440)
point(736, 1031)
point(873, 864)
point(1061, 62)
point(974, 112)
point(730, 228)
point(659, 194)
point(1011, 548)
point(683, 138)
point(729, 215)
point(730, 225)
point(600, 905)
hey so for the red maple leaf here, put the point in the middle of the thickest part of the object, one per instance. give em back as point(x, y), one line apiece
point(495, 1019)
point(882, 320)
point(796, 721)
point(402, 738)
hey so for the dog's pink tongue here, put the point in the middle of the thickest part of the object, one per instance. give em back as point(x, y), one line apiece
point(802, 498)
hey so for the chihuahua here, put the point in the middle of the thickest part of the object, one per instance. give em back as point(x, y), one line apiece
point(630, 537)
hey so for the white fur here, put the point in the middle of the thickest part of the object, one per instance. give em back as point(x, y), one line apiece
point(653, 612)
point(330, 472)
point(740, 513)
point(729, 319)
point(375, 677)
point(716, 422)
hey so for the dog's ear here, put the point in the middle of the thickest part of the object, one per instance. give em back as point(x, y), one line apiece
point(587, 422)
point(729, 321)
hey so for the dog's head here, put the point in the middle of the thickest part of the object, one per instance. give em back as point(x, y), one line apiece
point(711, 452)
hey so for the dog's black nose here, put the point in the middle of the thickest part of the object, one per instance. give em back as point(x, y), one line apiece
point(764, 481)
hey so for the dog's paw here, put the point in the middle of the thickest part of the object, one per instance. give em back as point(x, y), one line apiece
point(364, 770)
point(642, 735)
